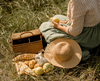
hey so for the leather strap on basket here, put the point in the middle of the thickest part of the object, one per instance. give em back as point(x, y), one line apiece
point(26, 32)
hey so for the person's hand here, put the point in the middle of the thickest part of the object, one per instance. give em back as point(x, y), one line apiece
point(58, 26)
point(54, 24)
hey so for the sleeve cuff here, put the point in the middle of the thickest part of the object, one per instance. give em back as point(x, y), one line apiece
point(67, 30)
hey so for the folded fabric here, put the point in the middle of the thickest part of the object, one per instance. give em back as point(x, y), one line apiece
point(85, 55)
point(21, 67)
point(26, 63)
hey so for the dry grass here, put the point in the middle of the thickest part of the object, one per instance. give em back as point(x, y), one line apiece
point(24, 15)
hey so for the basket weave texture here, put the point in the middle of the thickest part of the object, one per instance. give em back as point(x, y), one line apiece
point(27, 42)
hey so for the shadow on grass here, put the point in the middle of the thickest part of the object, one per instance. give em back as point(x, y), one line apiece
point(1, 56)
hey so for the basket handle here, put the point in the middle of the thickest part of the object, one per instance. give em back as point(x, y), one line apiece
point(26, 32)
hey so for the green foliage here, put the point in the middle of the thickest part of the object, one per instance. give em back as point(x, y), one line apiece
point(0, 10)
point(27, 15)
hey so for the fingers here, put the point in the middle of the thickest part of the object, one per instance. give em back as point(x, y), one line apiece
point(54, 22)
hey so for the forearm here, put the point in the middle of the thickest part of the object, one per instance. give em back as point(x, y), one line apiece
point(64, 21)
point(58, 26)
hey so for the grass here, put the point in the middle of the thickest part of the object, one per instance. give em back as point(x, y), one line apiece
point(25, 15)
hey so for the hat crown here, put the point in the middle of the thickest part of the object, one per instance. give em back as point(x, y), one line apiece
point(62, 52)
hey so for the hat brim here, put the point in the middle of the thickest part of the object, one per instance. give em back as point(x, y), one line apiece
point(76, 58)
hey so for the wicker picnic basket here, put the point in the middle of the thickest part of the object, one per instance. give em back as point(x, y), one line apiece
point(27, 42)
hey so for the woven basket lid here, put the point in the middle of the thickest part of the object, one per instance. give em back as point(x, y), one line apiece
point(25, 34)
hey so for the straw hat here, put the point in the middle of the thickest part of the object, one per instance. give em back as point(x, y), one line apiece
point(65, 53)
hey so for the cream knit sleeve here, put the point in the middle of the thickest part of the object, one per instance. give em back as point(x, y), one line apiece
point(76, 14)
